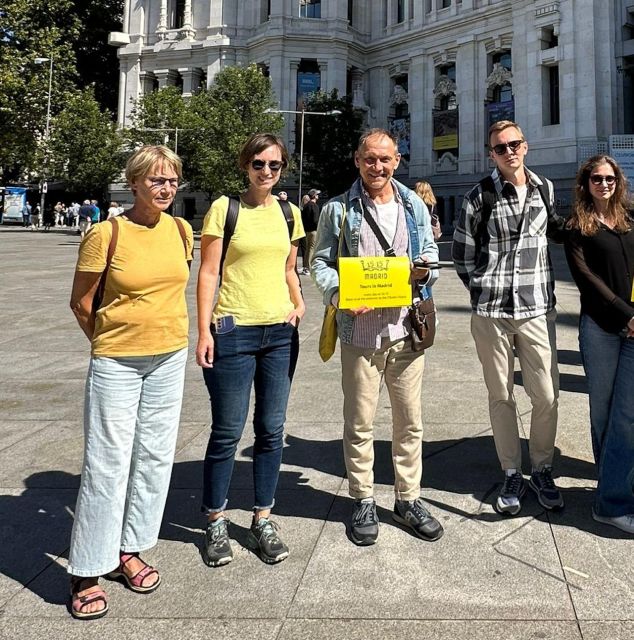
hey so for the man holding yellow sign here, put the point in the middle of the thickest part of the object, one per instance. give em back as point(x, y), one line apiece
point(372, 256)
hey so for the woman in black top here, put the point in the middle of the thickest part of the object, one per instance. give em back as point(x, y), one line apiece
point(600, 253)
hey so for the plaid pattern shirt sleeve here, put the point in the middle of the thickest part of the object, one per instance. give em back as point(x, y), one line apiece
point(509, 273)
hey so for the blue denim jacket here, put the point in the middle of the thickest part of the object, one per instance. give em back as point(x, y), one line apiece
point(324, 262)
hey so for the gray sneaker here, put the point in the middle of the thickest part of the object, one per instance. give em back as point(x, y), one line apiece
point(364, 527)
point(416, 516)
point(263, 539)
point(543, 485)
point(509, 501)
point(217, 548)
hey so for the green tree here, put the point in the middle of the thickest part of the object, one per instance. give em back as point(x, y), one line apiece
point(213, 124)
point(86, 147)
point(222, 118)
point(97, 62)
point(330, 143)
point(31, 29)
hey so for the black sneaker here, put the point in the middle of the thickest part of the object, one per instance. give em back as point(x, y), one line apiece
point(416, 516)
point(548, 494)
point(264, 539)
point(509, 501)
point(217, 548)
point(364, 527)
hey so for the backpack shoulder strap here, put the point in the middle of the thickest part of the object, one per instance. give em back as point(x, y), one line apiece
point(183, 234)
point(545, 195)
point(112, 245)
point(288, 214)
point(233, 208)
point(489, 196)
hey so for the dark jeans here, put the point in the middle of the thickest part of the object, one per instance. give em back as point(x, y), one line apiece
point(608, 360)
point(264, 357)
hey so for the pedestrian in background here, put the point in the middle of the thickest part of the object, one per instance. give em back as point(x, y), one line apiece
point(248, 339)
point(85, 215)
point(600, 253)
point(26, 214)
point(426, 194)
point(134, 389)
point(310, 218)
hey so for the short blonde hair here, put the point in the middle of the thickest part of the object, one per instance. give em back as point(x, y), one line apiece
point(496, 127)
point(425, 192)
point(144, 159)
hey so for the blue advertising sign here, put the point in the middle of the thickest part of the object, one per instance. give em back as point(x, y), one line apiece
point(14, 202)
point(307, 83)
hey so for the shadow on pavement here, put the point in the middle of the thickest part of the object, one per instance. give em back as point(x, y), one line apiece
point(36, 525)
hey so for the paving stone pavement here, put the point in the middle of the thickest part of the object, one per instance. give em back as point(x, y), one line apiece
point(536, 576)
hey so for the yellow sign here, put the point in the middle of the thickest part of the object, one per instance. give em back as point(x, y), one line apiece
point(632, 298)
point(374, 282)
point(445, 142)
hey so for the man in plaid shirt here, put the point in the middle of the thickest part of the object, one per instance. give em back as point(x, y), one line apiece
point(500, 249)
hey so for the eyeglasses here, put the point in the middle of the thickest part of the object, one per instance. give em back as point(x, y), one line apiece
point(513, 146)
point(274, 165)
point(157, 183)
point(597, 180)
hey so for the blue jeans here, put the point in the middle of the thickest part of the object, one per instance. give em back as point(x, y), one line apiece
point(608, 360)
point(131, 416)
point(262, 356)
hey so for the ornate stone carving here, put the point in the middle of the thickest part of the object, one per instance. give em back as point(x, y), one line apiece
point(445, 87)
point(499, 76)
point(399, 95)
point(358, 96)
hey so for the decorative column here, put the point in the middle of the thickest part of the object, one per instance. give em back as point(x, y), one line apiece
point(289, 128)
point(165, 77)
point(191, 80)
point(358, 93)
point(187, 29)
point(162, 25)
point(470, 120)
point(420, 139)
point(333, 74)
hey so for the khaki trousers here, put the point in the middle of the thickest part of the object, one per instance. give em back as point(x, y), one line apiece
point(362, 371)
point(309, 245)
point(534, 342)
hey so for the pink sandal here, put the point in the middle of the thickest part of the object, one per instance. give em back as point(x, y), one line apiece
point(135, 583)
point(77, 602)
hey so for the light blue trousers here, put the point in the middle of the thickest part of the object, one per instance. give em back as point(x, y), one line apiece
point(131, 417)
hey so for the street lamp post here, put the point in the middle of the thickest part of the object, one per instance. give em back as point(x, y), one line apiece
point(168, 129)
point(43, 184)
point(302, 113)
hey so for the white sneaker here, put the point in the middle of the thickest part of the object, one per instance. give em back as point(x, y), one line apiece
point(624, 523)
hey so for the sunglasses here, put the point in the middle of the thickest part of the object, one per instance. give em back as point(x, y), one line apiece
point(274, 165)
point(157, 183)
point(513, 146)
point(597, 180)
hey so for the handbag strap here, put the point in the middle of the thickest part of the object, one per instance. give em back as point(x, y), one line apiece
point(388, 249)
point(343, 220)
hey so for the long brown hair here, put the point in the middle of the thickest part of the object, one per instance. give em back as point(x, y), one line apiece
point(583, 213)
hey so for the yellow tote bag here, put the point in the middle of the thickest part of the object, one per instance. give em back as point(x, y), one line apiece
point(328, 335)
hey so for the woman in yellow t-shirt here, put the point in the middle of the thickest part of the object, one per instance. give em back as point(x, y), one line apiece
point(249, 339)
point(134, 388)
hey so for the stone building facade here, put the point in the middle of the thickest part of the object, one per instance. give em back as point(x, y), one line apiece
point(435, 71)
